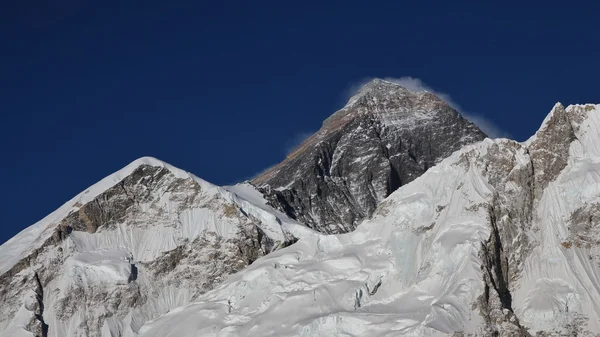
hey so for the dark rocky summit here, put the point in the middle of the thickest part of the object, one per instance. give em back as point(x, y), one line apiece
point(386, 136)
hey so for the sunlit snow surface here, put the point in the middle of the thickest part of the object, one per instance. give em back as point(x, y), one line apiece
point(558, 283)
point(28, 239)
point(385, 278)
point(414, 269)
point(104, 263)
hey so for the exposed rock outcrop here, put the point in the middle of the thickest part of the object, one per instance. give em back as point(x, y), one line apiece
point(385, 137)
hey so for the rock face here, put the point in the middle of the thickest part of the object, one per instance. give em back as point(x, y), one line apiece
point(385, 137)
point(145, 240)
point(500, 239)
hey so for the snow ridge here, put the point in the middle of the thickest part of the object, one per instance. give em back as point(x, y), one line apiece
point(419, 266)
point(136, 245)
point(31, 237)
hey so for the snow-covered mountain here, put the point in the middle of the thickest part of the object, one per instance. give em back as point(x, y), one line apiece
point(499, 238)
point(139, 243)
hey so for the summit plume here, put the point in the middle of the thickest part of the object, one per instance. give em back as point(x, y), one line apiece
point(385, 137)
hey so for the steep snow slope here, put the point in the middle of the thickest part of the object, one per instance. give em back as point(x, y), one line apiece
point(559, 288)
point(414, 268)
point(17, 247)
point(139, 243)
point(501, 238)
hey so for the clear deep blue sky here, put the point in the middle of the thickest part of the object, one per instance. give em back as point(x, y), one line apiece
point(223, 89)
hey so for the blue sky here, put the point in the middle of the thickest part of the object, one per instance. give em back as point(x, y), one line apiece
point(225, 89)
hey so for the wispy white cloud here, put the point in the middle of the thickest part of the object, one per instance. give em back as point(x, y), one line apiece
point(353, 89)
point(288, 146)
point(416, 84)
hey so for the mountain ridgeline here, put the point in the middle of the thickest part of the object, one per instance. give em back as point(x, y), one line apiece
point(397, 218)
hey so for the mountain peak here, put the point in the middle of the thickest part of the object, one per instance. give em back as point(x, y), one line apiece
point(378, 83)
point(143, 229)
point(377, 87)
point(386, 100)
point(385, 137)
point(24, 242)
point(151, 161)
